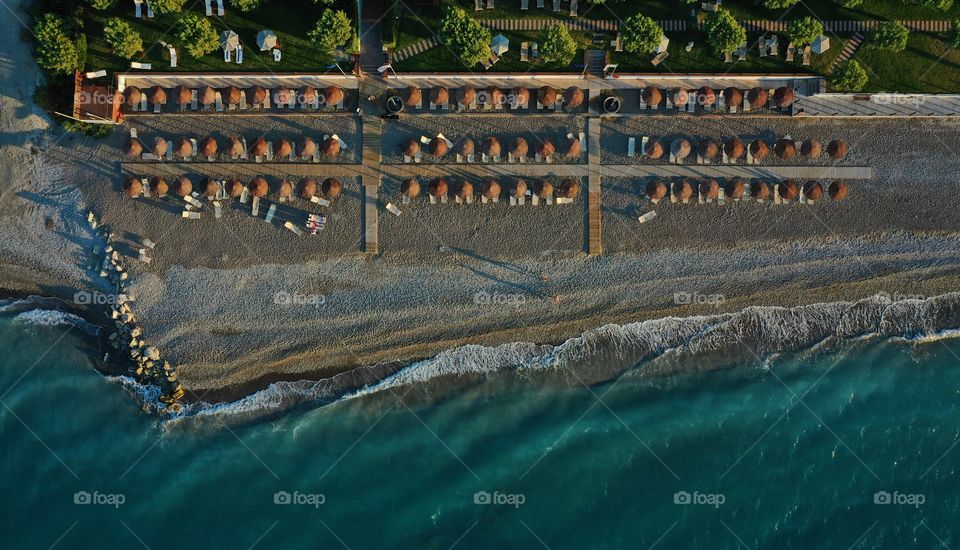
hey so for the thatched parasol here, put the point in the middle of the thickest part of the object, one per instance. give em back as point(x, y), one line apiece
point(520, 147)
point(544, 189)
point(785, 148)
point(813, 191)
point(709, 189)
point(837, 149)
point(308, 188)
point(183, 186)
point(132, 186)
point(410, 147)
point(466, 95)
point(519, 188)
point(410, 188)
point(208, 146)
point(735, 188)
point(656, 190)
point(159, 147)
point(259, 147)
point(438, 147)
point(284, 148)
point(207, 96)
point(183, 148)
point(308, 95)
point(331, 188)
point(412, 96)
point(285, 191)
point(132, 95)
point(838, 190)
point(465, 190)
point(680, 96)
point(235, 188)
point(333, 96)
point(183, 95)
point(733, 97)
point(573, 97)
point(759, 190)
point(438, 188)
point(652, 95)
point(284, 96)
point(439, 96)
point(259, 187)
point(759, 149)
point(783, 97)
point(758, 97)
point(157, 96)
point(491, 147)
point(547, 96)
point(330, 147)
point(545, 148)
point(789, 190)
point(159, 187)
point(306, 147)
point(210, 187)
point(707, 148)
point(734, 148)
point(573, 148)
point(521, 96)
point(132, 147)
point(682, 189)
point(494, 96)
point(706, 96)
point(231, 95)
point(654, 150)
point(467, 147)
point(257, 94)
point(810, 149)
point(680, 148)
point(490, 188)
point(570, 189)
point(236, 147)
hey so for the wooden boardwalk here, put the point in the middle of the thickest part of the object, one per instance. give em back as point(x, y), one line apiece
point(594, 236)
point(370, 157)
point(737, 171)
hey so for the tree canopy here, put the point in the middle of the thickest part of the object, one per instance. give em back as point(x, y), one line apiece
point(849, 77)
point(246, 5)
point(124, 41)
point(892, 35)
point(556, 44)
point(805, 30)
point(55, 50)
point(102, 4)
point(197, 35)
point(167, 6)
point(778, 4)
point(332, 31)
point(640, 34)
point(465, 37)
point(724, 33)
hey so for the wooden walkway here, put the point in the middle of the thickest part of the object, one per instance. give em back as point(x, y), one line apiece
point(415, 48)
point(611, 25)
point(848, 50)
point(594, 235)
point(848, 26)
point(371, 158)
point(737, 171)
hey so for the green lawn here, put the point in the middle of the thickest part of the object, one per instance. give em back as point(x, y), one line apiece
point(925, 66)
point(298, 53)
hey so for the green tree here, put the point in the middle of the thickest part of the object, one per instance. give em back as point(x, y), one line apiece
point(465, 37)
point(102, 4)
point(849, 77)
point(332, 31)
point(556, 44)
point(167, 6)
point(246, 5)
point(955, 34)
point(54, 48)
point(850, 3)
point(892, 35)
point(805, 30)
point(778, 4)
point(640, 34)
point(197, 35)
point(724, 34)
point(124, 41)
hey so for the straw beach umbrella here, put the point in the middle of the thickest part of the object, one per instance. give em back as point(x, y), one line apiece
point(285, 191)
point(438, 147)
point(308, 188)
point(490, 189)
point(256, 94)
point(330, 147)
point(183, 95)
point(467, 147)
point(412, 97)
point(573, 97)
point(759, 190)
point(232, 95)
point(707, 149)
point(654, 150)
point(466, 95)
point(656, 190)
point(758, 97)
point(236, 147)
point(439, 95)
point(183, 186)
point(683, 190)
point(736, 188)
point(157, 96)
point(331, 188)
point(519, 189)
point(184, 148)
point(284, 96)
point(570, 189)
point(733, 97)
point(465, 190)
point(438, 188)
point(759, 149)
point(574, 149)
point(132, 95)
point(520, 147)
point(734, 148)
point(544, 189)
point(783, 97)
point(680, 96)
point(159, 147)
point(494, 96)
point(259, 147)
point(545, 148)
point(411, 147)
point(810, 149)
point(235, 188)
point(209, 186)
point(813, 191)
point(837, 149)
point(308, 95)
point(785, 149)
point(284, 148)
point(306, 147)
point(410, 188)
point(208, 146)
point(680, 148)
point(491, 147)
point(652, 95)
point(547, 95)
point(838, 190)
point(159, 187)
point(132, 147)
point(706, 96)
point(789, 190)
point(259, 187)
point(207, 96)
point(132, 186)
point(520, 96)
point(709, 189)
point(333, 96)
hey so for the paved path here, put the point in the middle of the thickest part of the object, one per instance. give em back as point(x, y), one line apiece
point(594, 235)
point(370, 178)
point(879, 105)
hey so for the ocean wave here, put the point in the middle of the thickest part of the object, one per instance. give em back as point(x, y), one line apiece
point(654, 347)
point(45, 312)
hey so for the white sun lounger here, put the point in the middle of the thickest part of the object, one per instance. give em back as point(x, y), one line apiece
point(240, 61)
point(190, 215)
point(643, 144)
point(173, 57)
point(524, 5)
point(138, 8)
point(540, 4)
point(193, 100)
point(556, 5)
point(292, 227)
point(217, 209)
point(209, 8)
point(632, 147)
point(142, 66)
point(220, 10)
point(270, 212)
point(392, 208)
point(226, 56)
point(219, 102)
point(244, 196)
point(573, 8)
point(142, 256)
point(319, 200)
point(255, 207)
point(647, 217)
point(269, 151)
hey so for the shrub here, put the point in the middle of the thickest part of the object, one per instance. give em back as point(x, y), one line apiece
point(641, 34)
point(197, 35)
point(724, 34)
point(892, 35)
point(850, 3)
point(124, 41)
point(102, 4)
point(167, 6)
point(465, 37)
point(246, 5)
point(805, 30)
point(849, 77)
point(333, 30)
point(55, 50)
point(955, 35)
point(556, 44)
point(778, 4)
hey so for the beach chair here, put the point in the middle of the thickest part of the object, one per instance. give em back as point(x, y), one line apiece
point(524, 54)
point(573, 8)
point(294, 228)
point(789, 56)
point(534, 52)
point(524, 5)
point(190, 215)
point(173, 57)
point(193, 100)
point(478, 5)
point(643, 145)
point(138, 8)
point(243, 101)
point(244, 196)
point(631, 147)
point(392, 208)
point(169, 150)
point(659, 58)
point(219, 102)
point(721, 102)
point(149, 11)
point(644, 218)
point(319, 200)
point(762, 45)
point(556, 5)
point(489, 4)
point(689, 47)
point(749, 156)
point(193, 142)
point(728, 57)
point(270, 212)
point(276, 54)
point(220, 11)
point(617, 43)
point(217, 209)
point(209, 8)
point(142, 256)
point(806, 56)
point(255, 207)
point(141, 66)
point(226, 56)
point(692, 102)
point(721, 197)
point(540, 4)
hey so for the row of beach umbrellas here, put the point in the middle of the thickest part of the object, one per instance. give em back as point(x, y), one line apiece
point(491, 188)
point(206, 95)
point(783, 96)
point(208, 147)
point(547, 95)
point(257, 187)
point(680, 148)
point(491, 146)
point(737, 188)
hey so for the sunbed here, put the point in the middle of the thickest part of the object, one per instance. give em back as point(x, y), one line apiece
point(393, 209)
point(292, 227)
point(631, 147)
point(270, 212)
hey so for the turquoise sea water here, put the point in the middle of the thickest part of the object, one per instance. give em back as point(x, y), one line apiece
point(788, 451)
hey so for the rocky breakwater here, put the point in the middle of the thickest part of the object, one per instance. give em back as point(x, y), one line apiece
point(146, 364)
